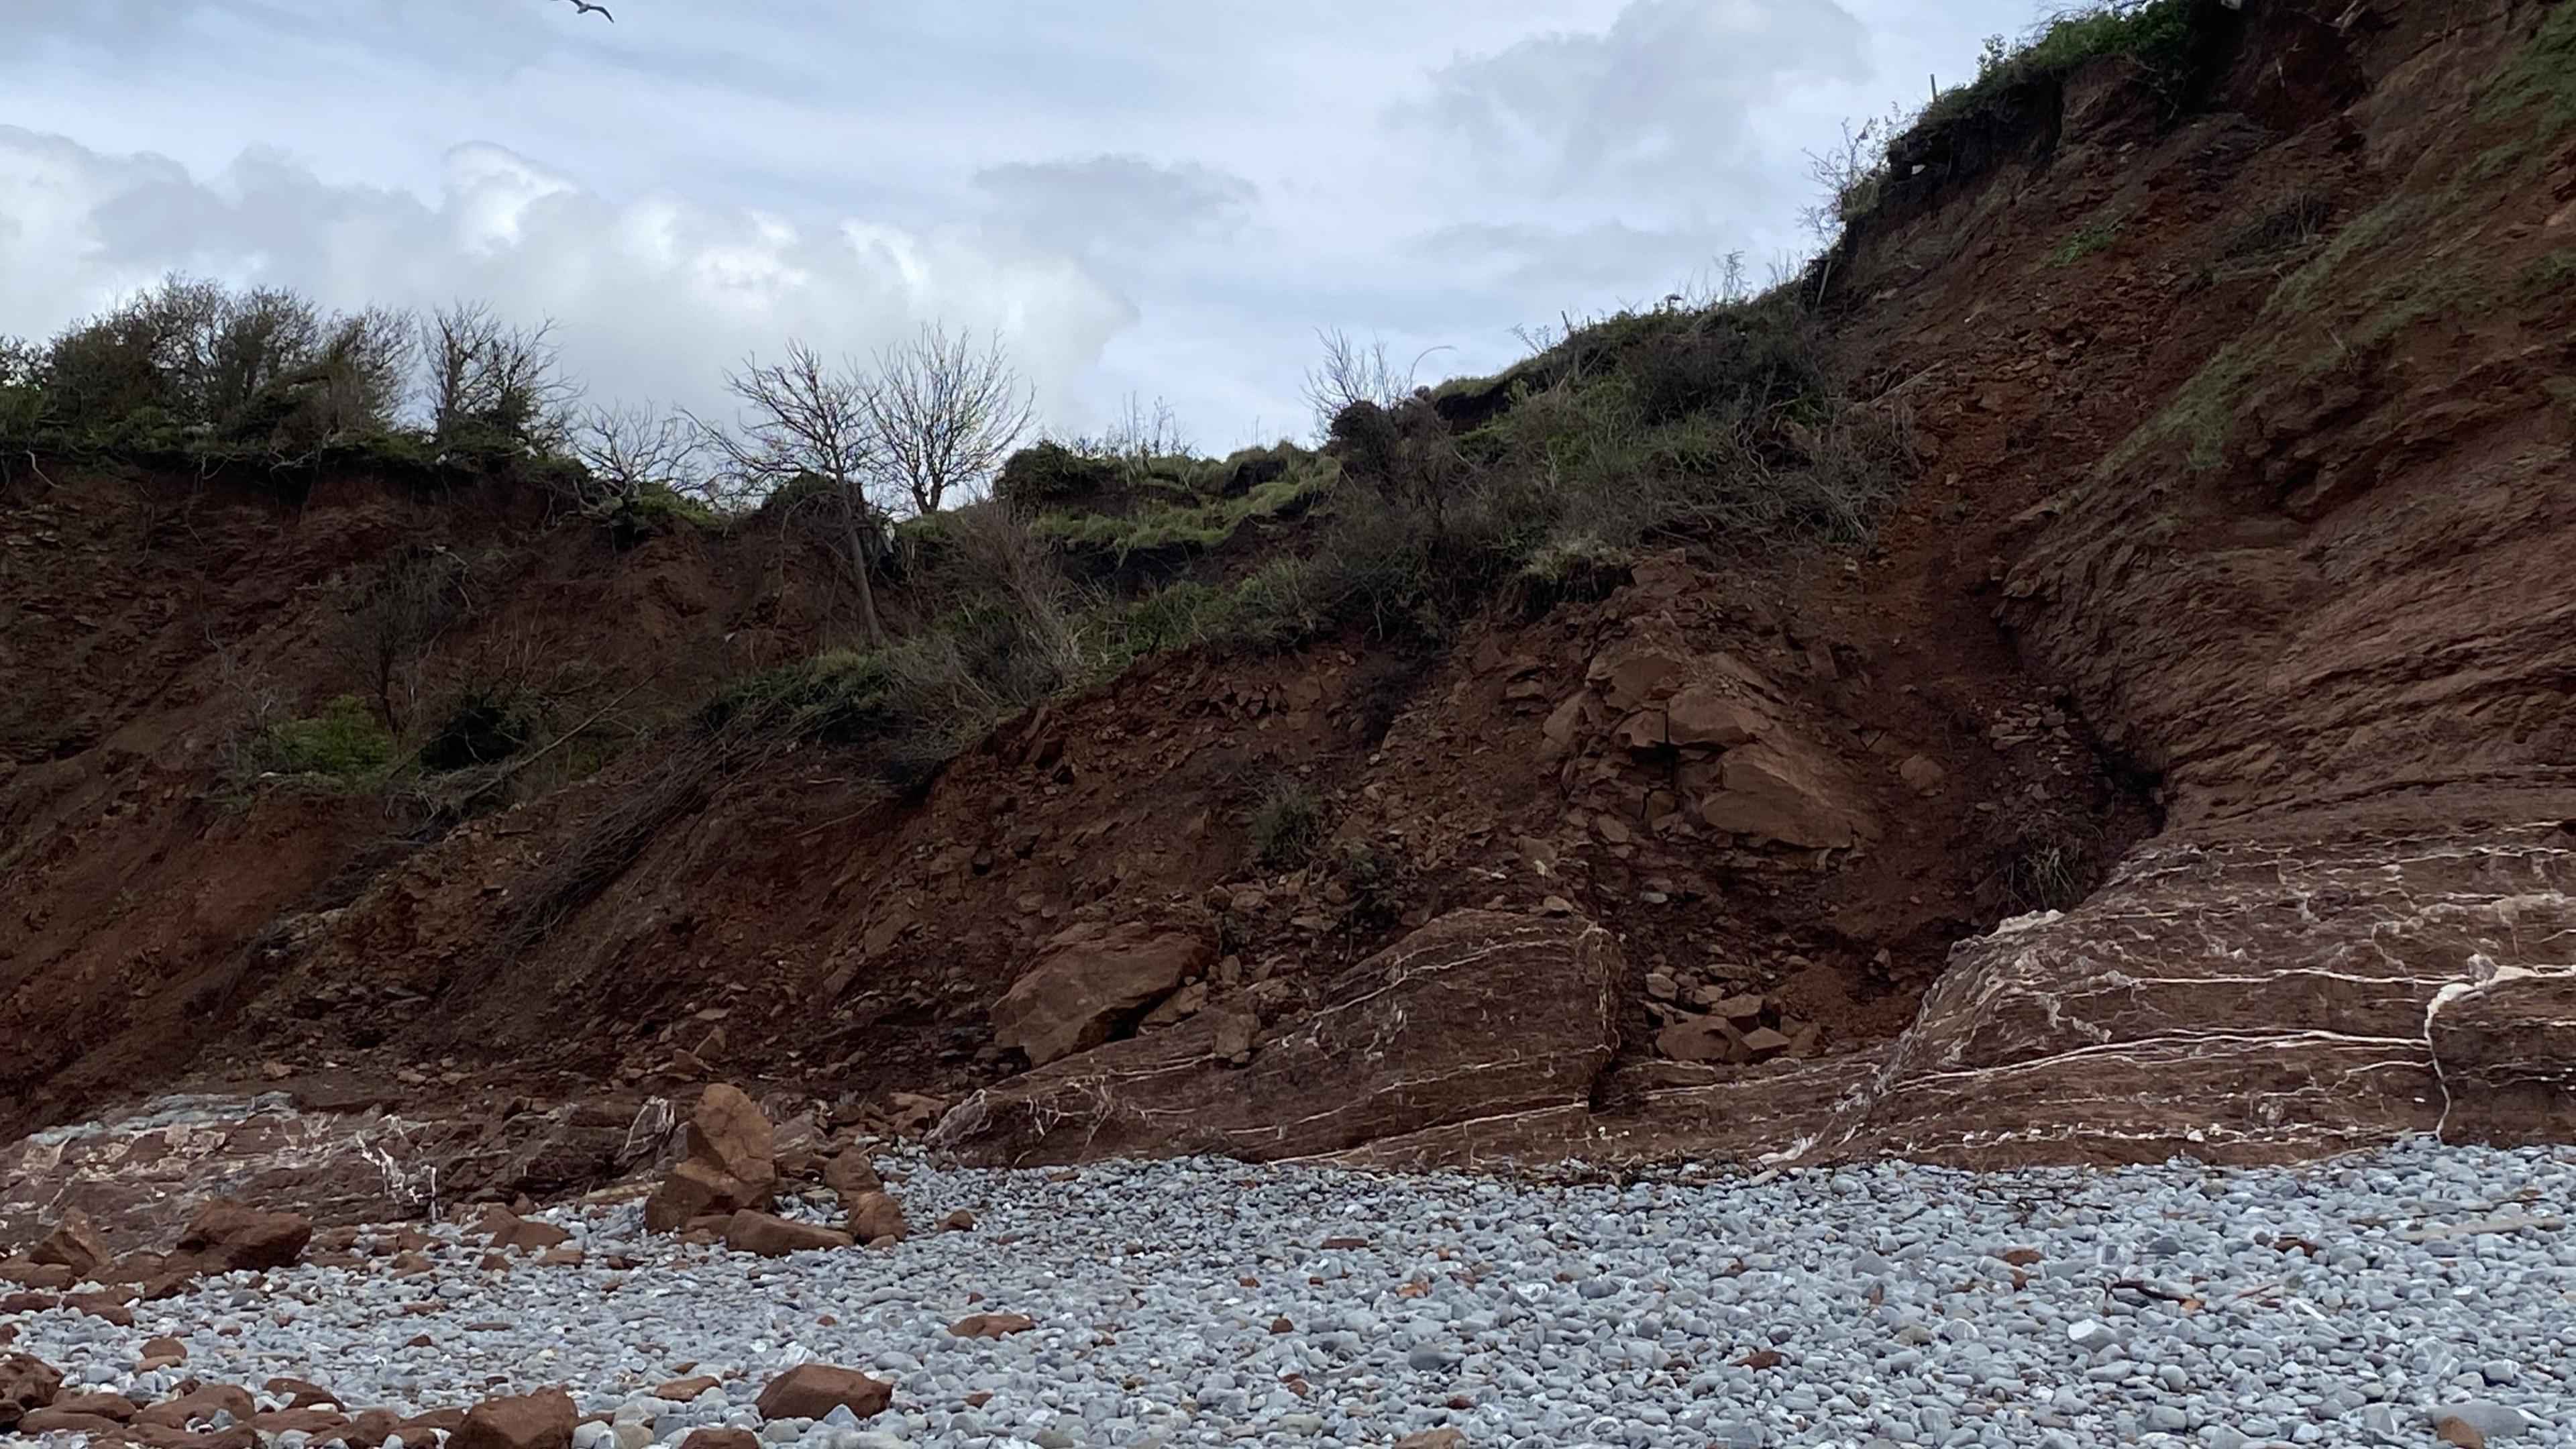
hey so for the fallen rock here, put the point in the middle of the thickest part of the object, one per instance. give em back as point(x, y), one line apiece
point(369, 1430)
point(959, 1221)
point(315, 1424)
point(812, 1390)
point(729, 1163)
point(1475, 1014)
point(1921, 775)
point(161, 1353)
point(237, 1238)
point(74, 1243)
point(2477, 1421)
point(850, 1172)
point(301, 1393)
point(199, 1405)
point(507, 1229)
point(992, 1325)
point(542, 1420)
point(45, 1277)
point(59, 1420)
point(719, 1438)
point(1703, 1039)
point(1092, 983)
point(875, 1217)
point(1701, 718)
point(681, 1391)
point(99, 1405)
point(1777, 792)
point(27, 1383)
point(771, 1236)
point(1433, 1439)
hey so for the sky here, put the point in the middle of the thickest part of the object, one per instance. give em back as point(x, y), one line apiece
point(1144, 199)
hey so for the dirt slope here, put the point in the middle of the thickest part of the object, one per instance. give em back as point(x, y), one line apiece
point(2234, 563)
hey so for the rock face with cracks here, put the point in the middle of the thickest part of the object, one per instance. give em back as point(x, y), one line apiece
point(1476, 1013)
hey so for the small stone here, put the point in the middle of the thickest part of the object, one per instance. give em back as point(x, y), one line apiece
point(681, 1391)
point(1921, 775)
point(1433, 1439)
point(720, 1438)
point(992, 1325)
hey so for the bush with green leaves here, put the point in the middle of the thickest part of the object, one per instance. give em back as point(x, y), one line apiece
point(344, 747)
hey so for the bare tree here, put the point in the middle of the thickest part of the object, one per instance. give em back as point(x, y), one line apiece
point(627, 452)
point(805, 428)
point(944, 411)
point(492, 382)
point(1144, 433)
point(1354, 372)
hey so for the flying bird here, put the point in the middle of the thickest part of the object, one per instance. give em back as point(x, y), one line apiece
point(585, 7)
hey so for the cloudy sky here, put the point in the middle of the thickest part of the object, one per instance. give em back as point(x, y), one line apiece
point(1164, 198)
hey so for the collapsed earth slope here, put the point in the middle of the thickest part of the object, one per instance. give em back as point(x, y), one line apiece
point(2187, 765)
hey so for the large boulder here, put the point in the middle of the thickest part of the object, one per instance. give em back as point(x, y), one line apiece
point(1477, 1014)
point(230, 1236)
point(1092, 983)
point(729, 1163)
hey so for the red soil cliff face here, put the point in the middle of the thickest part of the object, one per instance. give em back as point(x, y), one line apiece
point(2234, 583)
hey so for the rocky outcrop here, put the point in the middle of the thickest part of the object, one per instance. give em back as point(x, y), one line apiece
point(1093, 982)
point(2239, 1001)
point(1477, 1013)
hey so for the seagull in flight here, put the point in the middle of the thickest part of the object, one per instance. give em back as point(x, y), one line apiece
point(585, 7)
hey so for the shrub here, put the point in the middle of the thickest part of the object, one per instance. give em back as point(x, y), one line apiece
point(343, 746)
point(1048, 474)
point(483, 725)
point(1289, 826)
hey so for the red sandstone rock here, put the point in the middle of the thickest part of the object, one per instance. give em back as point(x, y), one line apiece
point(542, 1420)
point(235, 1237)
point(812, 1390)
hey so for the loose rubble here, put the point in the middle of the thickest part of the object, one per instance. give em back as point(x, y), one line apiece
point(2388, 1299)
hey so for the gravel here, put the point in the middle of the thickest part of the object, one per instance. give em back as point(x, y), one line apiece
point(1199, 1303)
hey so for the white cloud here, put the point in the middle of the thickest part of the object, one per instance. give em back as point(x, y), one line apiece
point(1668, 88)
point(652, 297)
point(1125, 202)
point(1159, 196)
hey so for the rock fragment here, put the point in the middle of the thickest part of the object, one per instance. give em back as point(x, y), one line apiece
point(74, 1243)
point(812, 1390)
point(542, 1420)
point(771, 1236)
point(729, 1163)
point(235, 1237)
point(27, 1383)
